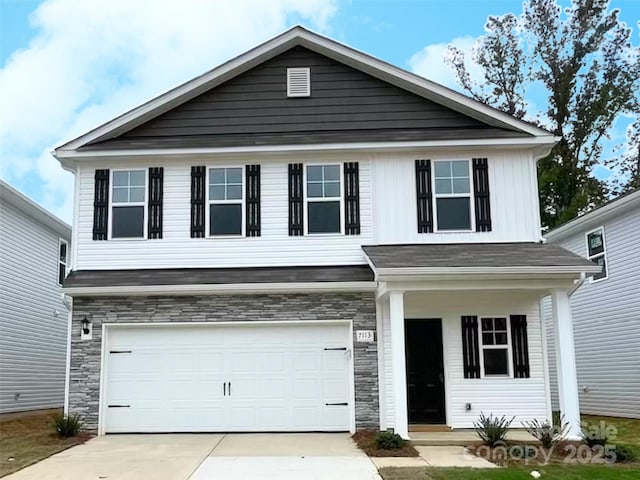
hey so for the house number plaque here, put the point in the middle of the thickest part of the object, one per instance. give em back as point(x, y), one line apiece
point(365, 336)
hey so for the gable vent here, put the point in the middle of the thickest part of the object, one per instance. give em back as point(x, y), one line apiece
point(298, 82)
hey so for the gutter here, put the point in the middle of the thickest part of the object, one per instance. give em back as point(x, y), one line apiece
point(68, 302)
point(579, 283)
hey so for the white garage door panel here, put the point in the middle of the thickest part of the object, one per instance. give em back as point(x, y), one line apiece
point(172, 379)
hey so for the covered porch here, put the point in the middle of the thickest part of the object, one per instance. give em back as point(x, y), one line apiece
point(460, 334)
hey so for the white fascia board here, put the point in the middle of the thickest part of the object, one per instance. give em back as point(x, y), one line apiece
point(595, 217)
point(237, 288)
point(525, 142)
point(300, 36)
point(489, 271)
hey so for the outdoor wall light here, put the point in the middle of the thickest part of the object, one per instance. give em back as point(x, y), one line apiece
point(85, 325)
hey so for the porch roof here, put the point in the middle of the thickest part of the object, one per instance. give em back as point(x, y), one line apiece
point(476, 258)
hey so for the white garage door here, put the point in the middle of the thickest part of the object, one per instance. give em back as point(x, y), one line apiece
point(227, 378)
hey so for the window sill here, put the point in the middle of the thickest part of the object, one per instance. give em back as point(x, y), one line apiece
point(224, 237)
point(325, 235)
point(128, 239)
point(456, 231)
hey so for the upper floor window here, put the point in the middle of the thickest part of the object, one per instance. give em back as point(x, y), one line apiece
point(324, 200)
point(495, 346)
point(128, 203)
point(63, 252)
point(452, 195)
point(596, 252)
point(226, 201)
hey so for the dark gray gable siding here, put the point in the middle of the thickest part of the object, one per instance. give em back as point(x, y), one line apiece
point(345, 105)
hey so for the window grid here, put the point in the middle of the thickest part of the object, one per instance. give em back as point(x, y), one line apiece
point(229, 180)
point(63, 255)
point(128, 180)
point(488, 326)
point(334, 179)
point(465, 192)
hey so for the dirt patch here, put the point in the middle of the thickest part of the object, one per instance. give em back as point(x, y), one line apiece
point(29, 439)
point(366, 441)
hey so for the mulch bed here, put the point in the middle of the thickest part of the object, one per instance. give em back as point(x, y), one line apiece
point(366, 441)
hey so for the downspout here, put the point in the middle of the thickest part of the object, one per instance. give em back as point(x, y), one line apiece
point(578, 284)
point(68, 303)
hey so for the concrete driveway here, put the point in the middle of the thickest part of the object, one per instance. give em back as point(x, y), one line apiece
point(207, 457)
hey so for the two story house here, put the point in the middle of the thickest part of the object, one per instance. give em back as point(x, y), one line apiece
point(307, 238)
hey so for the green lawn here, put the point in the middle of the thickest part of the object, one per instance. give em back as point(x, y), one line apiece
point(550, 472)
point(628, 428)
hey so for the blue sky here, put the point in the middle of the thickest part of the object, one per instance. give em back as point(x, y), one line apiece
point(68, 65)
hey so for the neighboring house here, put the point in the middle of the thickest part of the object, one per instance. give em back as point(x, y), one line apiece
point(606, 308)
point(35, 249)
point(307, 238)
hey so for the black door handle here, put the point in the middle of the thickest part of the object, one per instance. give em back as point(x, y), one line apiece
point(224, 389)
point(229, 388)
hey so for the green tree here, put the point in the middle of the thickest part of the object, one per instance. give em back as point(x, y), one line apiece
point(628, 174)
point(583, 61)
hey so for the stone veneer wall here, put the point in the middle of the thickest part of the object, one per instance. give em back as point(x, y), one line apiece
point(84, 385)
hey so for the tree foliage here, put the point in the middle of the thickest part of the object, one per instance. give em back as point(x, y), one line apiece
point(583, 61)
point(628, 166)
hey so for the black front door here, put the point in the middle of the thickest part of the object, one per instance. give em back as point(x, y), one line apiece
point(425, 371)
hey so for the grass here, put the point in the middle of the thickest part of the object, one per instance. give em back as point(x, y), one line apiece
point(365, 439)
point(549, 472)
point(628, 428)
point(27, 440)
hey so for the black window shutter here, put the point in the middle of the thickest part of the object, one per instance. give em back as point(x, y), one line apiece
point(101, 205)
point(198, 195)
point(481, 194)
point(253, 200)
point(296, 201)
point(351, 198)
point(519, 346)
point(156, 187)
point(470, 347)
point(424, 196)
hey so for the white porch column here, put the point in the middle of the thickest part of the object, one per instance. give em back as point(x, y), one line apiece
point(396, 317)
point(566, 362)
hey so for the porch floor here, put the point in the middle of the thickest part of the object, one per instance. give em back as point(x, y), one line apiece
point(463, 437)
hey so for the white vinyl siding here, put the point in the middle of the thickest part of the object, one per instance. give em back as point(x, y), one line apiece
point(513, 196)
point(606, 323)
point(524, 398)
point(33, 330)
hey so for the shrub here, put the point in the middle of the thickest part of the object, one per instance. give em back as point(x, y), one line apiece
point(594, 435)
point(547, 434)
point(492, 430)
point(66, 425)
point(625, 453)
point(389, 441)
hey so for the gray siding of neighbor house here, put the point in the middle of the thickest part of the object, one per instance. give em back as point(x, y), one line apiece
point(33, 338)
point(345, 105)
point(606, 322)
point(86, 354)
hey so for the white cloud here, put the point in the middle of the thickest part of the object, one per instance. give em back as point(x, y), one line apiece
point(91, 61)
point(429, 62)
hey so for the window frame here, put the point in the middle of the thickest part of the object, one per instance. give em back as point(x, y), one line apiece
point(340, 166)
point(144, 204)
point(242, 202)
point(66, 260)
point(603, 254)
point(436, 196)
point(508, 346)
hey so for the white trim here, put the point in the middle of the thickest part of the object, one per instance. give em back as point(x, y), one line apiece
point(545, 358)
point(210, 202)
point(319, 44)
point(124, 154)
point(482, 346)
point(67, 374)
point(599, 215)
point(340, 197)
point(592, 279)
point(107, 326)
point(469, 195)
point(409, 271)
point(382, 407)
point(211, 289)
point(143, 204)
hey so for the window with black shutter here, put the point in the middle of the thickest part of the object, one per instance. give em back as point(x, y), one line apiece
point(128, 191)
point(424, 196)
point(470, 349)
point(481, 194)
point(296, 200)
point(520, 346)
point(156, 188)
point(198, 198)
point(452, 192)
point(101, 205)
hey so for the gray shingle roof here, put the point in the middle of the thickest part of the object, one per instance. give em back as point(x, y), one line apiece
point(473, 255)
point(211, 276)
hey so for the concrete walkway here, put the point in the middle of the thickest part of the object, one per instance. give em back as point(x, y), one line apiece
point(438, 456)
